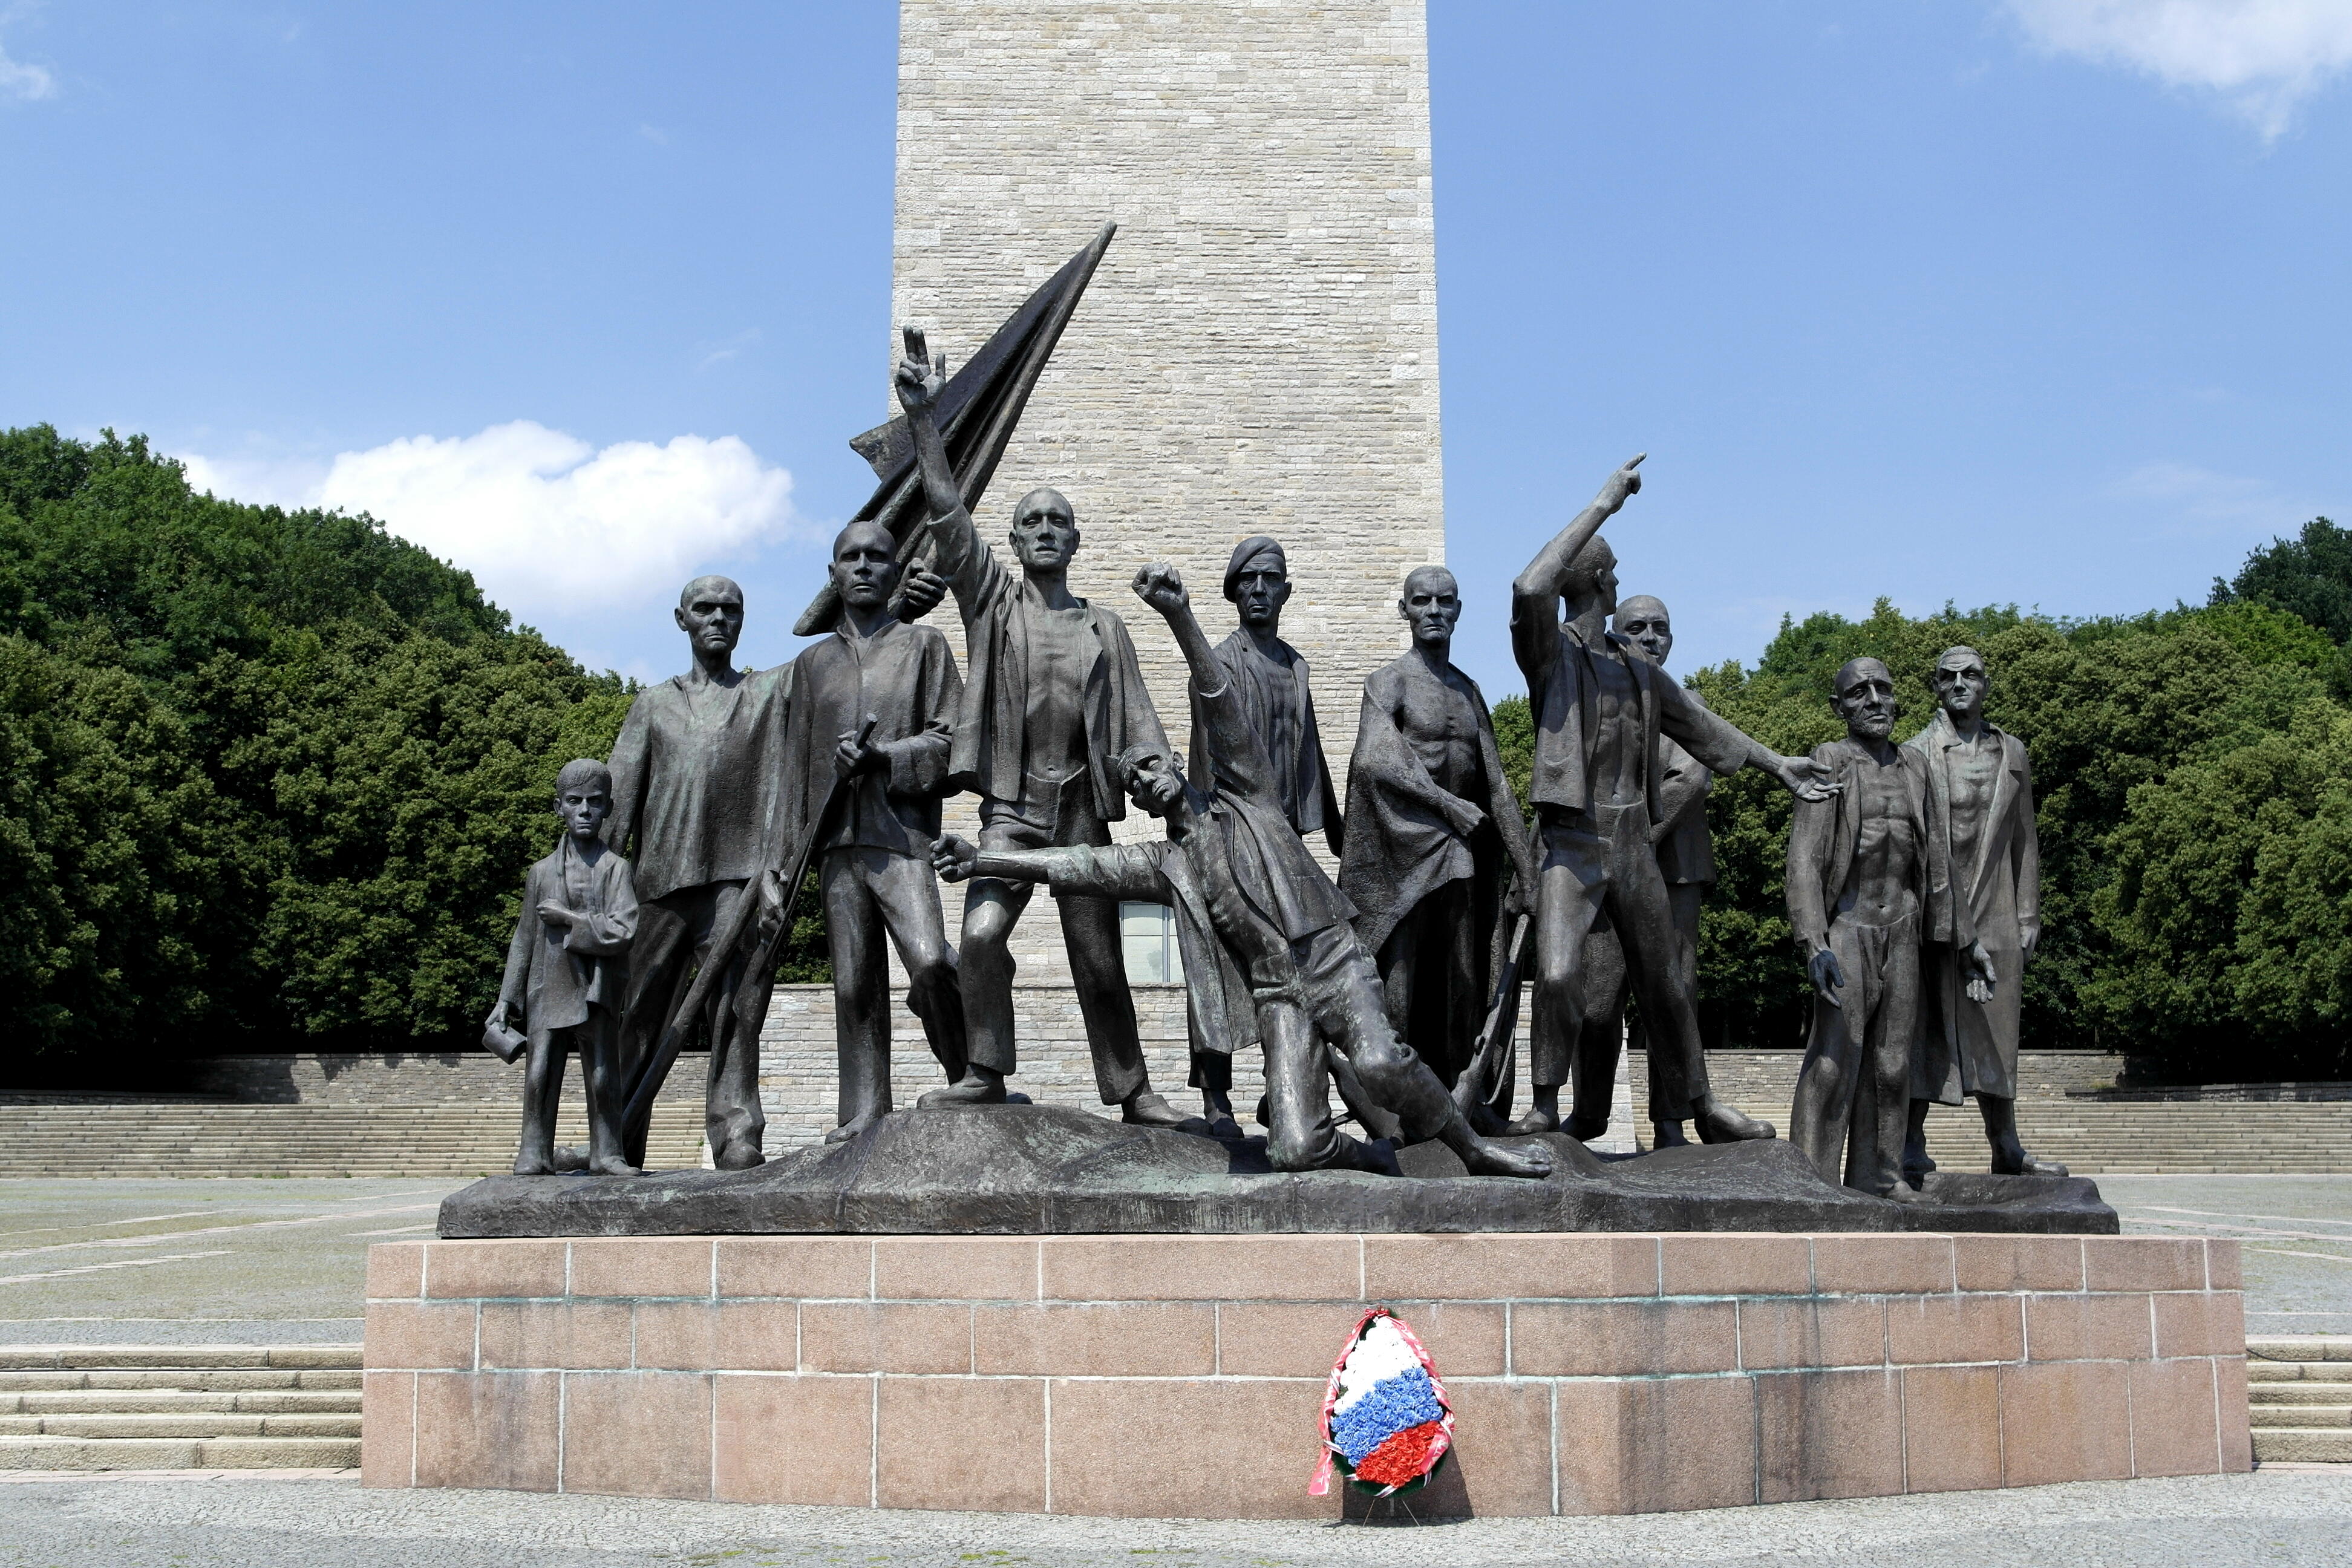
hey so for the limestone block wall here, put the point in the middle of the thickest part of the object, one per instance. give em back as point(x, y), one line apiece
point(1258, 352)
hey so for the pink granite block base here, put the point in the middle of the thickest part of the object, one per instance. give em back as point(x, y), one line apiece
point(1181, 1377)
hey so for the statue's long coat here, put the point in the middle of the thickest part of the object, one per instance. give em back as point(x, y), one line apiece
point(1971, 1048)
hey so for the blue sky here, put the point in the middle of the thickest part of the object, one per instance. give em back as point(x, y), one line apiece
point(2041, 301)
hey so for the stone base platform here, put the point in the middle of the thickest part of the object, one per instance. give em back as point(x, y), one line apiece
point(1011, 1169)
point(1157, 1375)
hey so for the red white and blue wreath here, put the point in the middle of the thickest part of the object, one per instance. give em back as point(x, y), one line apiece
point(1386, 1421)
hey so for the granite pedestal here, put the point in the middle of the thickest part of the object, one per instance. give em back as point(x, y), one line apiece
point(1180, 1375)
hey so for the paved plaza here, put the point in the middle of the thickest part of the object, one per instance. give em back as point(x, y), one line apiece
point(167, 1262)
point(2284, 1518)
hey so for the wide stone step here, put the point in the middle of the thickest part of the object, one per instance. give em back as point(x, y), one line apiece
point(199, 1424)
point(179, 1358)
point(2295, 1395)
point(47, 1453)
point(2310, 1415)
point(2310, 1352)
point(181, 1401)
point(207, 1379)
point(2302, 1446)
point(453, 1139)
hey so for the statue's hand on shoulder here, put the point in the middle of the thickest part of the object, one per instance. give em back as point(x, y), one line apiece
point(954, 858)
point(922, 375)
point(1806, 779)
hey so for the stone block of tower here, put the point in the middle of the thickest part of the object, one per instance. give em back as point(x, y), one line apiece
point(1259, 352)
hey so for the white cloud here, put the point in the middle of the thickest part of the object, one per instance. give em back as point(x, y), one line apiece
point(2263, 58)
point(550, 526)
point(2205, 502)
point(29, 83)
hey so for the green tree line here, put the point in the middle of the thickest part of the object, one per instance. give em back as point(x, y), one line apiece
point(271, 777)
point(268, 780)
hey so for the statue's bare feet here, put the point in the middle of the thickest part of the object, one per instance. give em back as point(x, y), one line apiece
point(855, 1127)
point(977, 1087)
point(534, 1166)
point(613, 1165)
point(1903, 1193)
point(1487, 1159)
point(1720, 1123)
point(1535, 1123)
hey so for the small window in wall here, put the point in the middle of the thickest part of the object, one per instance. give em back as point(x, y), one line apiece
point(1147, 935)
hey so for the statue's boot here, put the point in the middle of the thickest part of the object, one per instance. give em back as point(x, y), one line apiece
point(1670, 1135)
point(604, 1157)
point(1916, 1163)
point(1720, 1123)
point(2009, 1155)
point(1146, 1108)
point(1354, 1155)
point(1585, 1129)
point(979, 1086)
point(1369, 1114)
point(1425, 1109)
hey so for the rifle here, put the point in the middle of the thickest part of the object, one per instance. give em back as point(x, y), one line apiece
point(1485, 1088)
point(656, 1070)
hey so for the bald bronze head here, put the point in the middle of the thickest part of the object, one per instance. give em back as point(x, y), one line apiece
point(1591, 580)
point(1642, 620)
point(864, 567)
point(1865, 699)
point(1044, 531)
point(710, 612)
point(1962, 683)
point(1430, 605)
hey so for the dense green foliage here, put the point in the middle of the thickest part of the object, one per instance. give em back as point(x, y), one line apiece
point(271, 777)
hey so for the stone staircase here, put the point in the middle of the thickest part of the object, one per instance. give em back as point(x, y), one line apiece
point(2300, 1387)
point(192, 1138)
point(179, 1407)
point(2097, 1137)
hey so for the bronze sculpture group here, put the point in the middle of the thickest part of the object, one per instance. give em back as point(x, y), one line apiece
point(1911, 887)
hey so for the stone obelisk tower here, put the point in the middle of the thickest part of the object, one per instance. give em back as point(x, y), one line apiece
point(1256, 354)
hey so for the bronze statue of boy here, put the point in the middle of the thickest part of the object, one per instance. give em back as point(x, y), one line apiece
point(567, 973)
